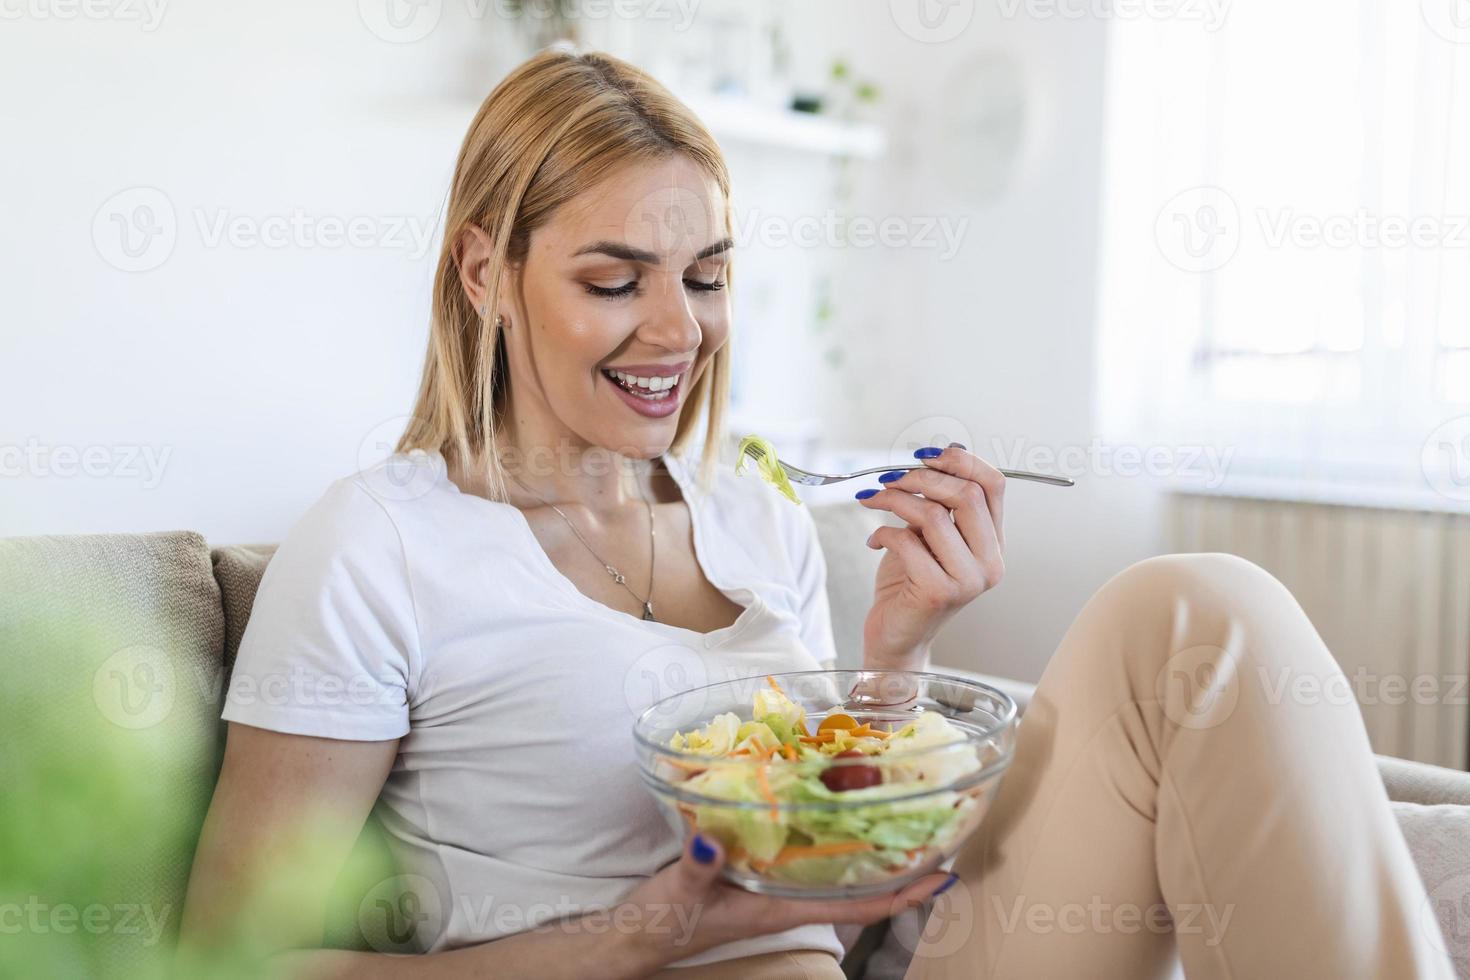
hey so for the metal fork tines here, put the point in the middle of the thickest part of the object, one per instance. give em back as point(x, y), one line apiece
point(809, 479)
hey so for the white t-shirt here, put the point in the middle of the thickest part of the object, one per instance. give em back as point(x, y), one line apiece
point(399, 606)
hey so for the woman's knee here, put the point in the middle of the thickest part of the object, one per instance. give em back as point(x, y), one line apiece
point(1216, 599)
point(1216, 574)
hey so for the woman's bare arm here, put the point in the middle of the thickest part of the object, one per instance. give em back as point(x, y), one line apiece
point(286, 812)
point(276, 792)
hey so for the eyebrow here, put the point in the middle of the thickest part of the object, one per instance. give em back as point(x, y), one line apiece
point(621, 250)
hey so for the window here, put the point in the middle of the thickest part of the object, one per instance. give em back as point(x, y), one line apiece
point(1286, 234)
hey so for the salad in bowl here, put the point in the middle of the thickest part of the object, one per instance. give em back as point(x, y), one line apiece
point(829, 784)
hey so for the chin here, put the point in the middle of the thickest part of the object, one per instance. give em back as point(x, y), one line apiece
point(643, 445)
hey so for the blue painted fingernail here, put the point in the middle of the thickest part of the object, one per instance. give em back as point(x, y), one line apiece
point(957, 445)
point(865, 494)
point(928, 452)
point(892, 475)
point(947, 885)
point(704, 852)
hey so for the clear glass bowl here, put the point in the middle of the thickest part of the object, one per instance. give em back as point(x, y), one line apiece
point(834, 827)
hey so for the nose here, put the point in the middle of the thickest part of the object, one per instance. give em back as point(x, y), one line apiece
point(671, 323)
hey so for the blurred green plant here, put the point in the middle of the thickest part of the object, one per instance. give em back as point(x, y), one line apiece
point(99, 820)
point(548, 20)
point(850, 98)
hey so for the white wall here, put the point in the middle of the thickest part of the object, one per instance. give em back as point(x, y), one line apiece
point(264, 372)
point(253, 371)
point(1000, 339)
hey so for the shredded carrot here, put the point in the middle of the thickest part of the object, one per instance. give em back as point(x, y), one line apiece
point(772, 681)
point(821, 738)
point(789, 854)
point(788, 752)
point(868, 731)
point(765, 788)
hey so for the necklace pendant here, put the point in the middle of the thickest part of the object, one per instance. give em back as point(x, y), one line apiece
point(648, 612)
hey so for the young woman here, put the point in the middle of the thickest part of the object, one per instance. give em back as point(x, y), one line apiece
point(462, 635)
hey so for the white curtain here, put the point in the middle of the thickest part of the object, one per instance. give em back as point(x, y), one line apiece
point(1286, 232)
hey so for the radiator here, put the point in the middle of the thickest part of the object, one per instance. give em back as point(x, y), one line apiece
point(1388, 590)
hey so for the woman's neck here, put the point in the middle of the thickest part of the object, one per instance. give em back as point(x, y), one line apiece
point(545, 460)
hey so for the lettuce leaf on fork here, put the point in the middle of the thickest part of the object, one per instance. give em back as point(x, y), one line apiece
point(767, 465)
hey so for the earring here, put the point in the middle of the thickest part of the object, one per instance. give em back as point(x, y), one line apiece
point(485, 312)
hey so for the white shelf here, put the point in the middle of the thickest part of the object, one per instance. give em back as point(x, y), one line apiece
point(731, 119)
point(742, 121)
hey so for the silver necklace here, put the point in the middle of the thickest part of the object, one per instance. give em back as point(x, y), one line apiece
point(611, 570)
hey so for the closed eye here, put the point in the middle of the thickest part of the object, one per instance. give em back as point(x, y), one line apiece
point(613, 292)
point(630, 287)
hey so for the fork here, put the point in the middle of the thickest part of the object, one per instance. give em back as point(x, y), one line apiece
point(809, 479)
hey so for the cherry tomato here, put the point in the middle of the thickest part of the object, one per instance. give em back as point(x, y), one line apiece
point(840, 779)
point(837, 722)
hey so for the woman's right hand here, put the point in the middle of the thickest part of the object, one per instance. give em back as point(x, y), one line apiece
point(687, 908)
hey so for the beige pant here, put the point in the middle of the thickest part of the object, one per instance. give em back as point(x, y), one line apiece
point(1177, 767)
point(798, 964)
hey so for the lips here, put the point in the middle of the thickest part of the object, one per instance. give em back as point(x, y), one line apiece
point(651, 390)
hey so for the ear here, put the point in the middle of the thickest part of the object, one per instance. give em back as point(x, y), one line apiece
point(471, 253)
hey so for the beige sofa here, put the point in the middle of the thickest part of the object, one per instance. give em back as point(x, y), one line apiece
point(115, 651)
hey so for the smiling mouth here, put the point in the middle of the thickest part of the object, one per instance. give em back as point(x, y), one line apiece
point(653, 389)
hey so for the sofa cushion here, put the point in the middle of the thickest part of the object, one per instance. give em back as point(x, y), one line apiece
point(843, 532)
point(1418, 782)
point(1439, 836)
point(368, 891)
point(238, 569)
point(109, 647)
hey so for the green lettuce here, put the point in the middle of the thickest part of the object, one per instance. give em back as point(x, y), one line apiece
point(767, 465)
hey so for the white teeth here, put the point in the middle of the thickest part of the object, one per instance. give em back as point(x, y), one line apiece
point(652, 384)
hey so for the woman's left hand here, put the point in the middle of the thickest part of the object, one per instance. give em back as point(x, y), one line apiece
point(948, 553)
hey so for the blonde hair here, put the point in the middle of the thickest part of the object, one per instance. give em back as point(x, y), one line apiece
point(555, 126)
